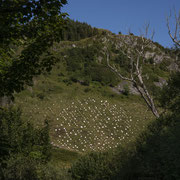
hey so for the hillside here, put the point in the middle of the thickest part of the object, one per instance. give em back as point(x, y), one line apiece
point(82, 103)
point(88, 107)
point(86, 59)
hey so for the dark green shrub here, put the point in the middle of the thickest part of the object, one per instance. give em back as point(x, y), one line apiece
point(86, 90)
point(155, 154)
point(76, 31)
point(101, 74)
point(151, 61)
point(21, 139)
point(24, 168)
point(67, 81)
point(164, 65)
point(41, 96)
point(126, 90)
point(153, 78)
point(19, 167)
point(60, 74)
point(123, 61)
point(74, 79)
point(85, 82)
point(131, 34)
point(170, 95)
point(93, 166)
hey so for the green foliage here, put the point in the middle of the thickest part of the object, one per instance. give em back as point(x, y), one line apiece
point(28, 29)
point(93, 166)
point(27, 18)
point(41, 96)
point(151, 61)
point(24, 168)
point(19, 167)
point(86, 90)
point(123, 61)
point(126, 90)
point(76, 31)
point(81, 63)
point(75, 60)
point(101, 74)
point(21, 139)
point(80, 57)
point(156, 154)
point(164, 65)
point(170, 95)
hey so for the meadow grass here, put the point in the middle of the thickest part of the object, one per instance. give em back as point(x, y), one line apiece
point(82, 113)
point(80, 120)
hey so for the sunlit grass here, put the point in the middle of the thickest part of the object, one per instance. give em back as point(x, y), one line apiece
point(86, 121)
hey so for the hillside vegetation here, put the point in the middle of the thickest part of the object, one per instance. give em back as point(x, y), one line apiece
point(82, 117)
point(98, 125)
point(81, 99)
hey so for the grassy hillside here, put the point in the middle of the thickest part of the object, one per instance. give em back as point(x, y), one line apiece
point(83, 118)
point(77, 98)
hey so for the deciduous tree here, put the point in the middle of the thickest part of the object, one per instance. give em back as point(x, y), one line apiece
point(27, 31)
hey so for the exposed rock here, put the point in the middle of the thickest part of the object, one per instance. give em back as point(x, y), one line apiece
point(158, 59)
point(161, 82)
point(100, 58)
point(120, 88)
point(149, 55)
point(173, 67)
point(5, 101)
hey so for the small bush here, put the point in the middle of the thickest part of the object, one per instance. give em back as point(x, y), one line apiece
point(86, 82)
point(93, 166)
point(60, 74)
point(23, 146)
point(86, 90)
point(25, 168)
point(126, 90)
point(41, 96)
point(73, 79)
point(101, 74)
point(67, 81)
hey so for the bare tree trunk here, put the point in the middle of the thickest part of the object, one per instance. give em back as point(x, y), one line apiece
point(148, 99)
point(175, 36)
point(136, 73)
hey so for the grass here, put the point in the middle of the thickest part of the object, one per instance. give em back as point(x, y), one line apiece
point(63, 158)
point(80, 120)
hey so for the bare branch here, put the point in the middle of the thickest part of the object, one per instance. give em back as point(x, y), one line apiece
point(176, 35)
point(135, 54)
point(115, 70)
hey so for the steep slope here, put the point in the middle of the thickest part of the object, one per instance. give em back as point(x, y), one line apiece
point(86, 60)
point(89, 108)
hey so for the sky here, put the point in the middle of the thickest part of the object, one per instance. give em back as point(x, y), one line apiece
point(124, 15)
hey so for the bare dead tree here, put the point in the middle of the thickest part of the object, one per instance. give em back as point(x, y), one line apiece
point(174, 33)
point(136, 56)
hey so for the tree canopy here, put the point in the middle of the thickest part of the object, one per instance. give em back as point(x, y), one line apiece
point(27, 30)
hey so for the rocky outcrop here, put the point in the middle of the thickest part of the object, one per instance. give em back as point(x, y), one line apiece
point(121, 87)
point(161, 82)
point(173, 67)
point(5, 101)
